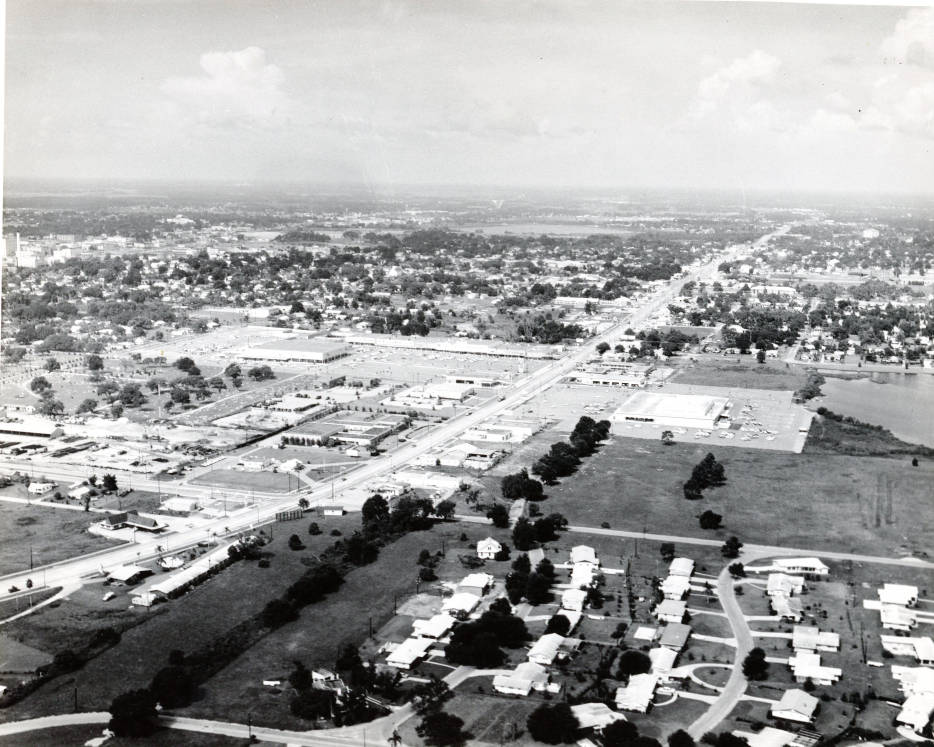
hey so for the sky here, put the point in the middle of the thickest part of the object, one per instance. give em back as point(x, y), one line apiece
point(563, 93)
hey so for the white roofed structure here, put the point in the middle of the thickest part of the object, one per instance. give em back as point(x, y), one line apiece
point(681, 567)
point(638, 694)
point(900, 594)
point(545, 649)
point(584, 554)
point(462, 603)
point(522, 679)
point(811, 566)
point(407, 653)
point(795, 705)
point(434, 627)
point(595, 715)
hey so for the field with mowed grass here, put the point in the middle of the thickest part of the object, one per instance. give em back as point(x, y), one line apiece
point(873, 505)
point(738, 371)
point(54, 534)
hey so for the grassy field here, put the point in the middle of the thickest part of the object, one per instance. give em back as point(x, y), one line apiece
point(209, 610)
point(53, 534)
point(264, 481)
point(738, 371)
point(877, 504)
point(78, 735)
point(315, 638)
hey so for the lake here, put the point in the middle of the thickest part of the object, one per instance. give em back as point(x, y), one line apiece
point(903, 403)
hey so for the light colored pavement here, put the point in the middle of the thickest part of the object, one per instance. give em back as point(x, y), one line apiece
point(50, 722)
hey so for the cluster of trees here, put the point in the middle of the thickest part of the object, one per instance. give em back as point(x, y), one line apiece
point(526, 534)
point(563, 459)
point(707, 473)
point(534, 586)
point(811, 387)
point(520, 485)
point(755, 667)
point(542, 329)
point(477, 643)
point(312, 586)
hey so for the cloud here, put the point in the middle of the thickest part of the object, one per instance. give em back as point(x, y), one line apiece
point(737, 87)
point(235, 89)
point(912, 42)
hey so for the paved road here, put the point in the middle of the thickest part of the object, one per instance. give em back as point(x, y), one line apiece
point(50, 722)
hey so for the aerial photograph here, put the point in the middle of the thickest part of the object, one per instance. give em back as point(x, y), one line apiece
point(467, 372)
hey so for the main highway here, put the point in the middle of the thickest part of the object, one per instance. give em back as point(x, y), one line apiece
point(75, 570)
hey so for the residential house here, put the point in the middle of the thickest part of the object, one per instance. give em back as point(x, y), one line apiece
point(522, 680)
point(921, 648)
point(573, 599)
point(807, 566)
point(806, 665)
point(460, 604)
point(916, 712)
point(675, 636)
point(796, 706)
point(488, 548)
point(436, 626)
point(681, 567)
point(900, 594)
point(477, 584)
point(409, 652)
point(782, 583)
point(676, 587)
point(663, 661)
point(638, 694)
point(810, 638)
point(545, 649)
point(671, 610)
point(584, 554)
point(596, 716)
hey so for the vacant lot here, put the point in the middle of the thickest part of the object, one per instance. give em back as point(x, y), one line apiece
point(186, 624)
point(76, 735)
point(266, 482)
point(738, 371)
point(53, 534)
point(877, 504)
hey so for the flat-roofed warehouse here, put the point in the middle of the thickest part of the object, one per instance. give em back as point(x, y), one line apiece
point(311, 350)
point(684, 410)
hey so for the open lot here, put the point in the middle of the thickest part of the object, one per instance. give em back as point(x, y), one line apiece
point(741, 371)
point(52, 534)
point(241, 480)
point(186, 624)
point(638, 484)
point(78, 735)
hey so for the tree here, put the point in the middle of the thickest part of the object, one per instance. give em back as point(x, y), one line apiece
point(87, 405)
point(131, 395)
point(667, 551)
point(94, 362)
point(428, 697)
point(445, 509)
point(726, 739)
point(184, 364)
point(737, 570)
point(499, 515)
point(538, 589)
point(633, 661)
point(620, 734)
point(303, 503)
point(558, 624)
point(375, 511)
point(520, 485)
point(277, 613)
point(553, 724)
point(173, 687)
point(109, 483)
point(51, 364)
point(233, 371)
point(730, 548)
point(133, 714)
point(710, 520)
point(295, 543)
point(760, 356)
point(680, 738)
point(602, 348)
point(50, 407)
point(442, 729)
point(40, 384)
point(755, 666)
point(312, 703)
point(116, 410)
point(522, 564)
point(314, 529)
point(300, 677)
point(668, 438)
point(261, 373)
point(523, 535)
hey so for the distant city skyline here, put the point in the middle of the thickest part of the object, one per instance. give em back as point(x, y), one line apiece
point(564, 95)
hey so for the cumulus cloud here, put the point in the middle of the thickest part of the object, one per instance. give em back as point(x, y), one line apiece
point(737, 87)
point(234, 89)
point(912, 41)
